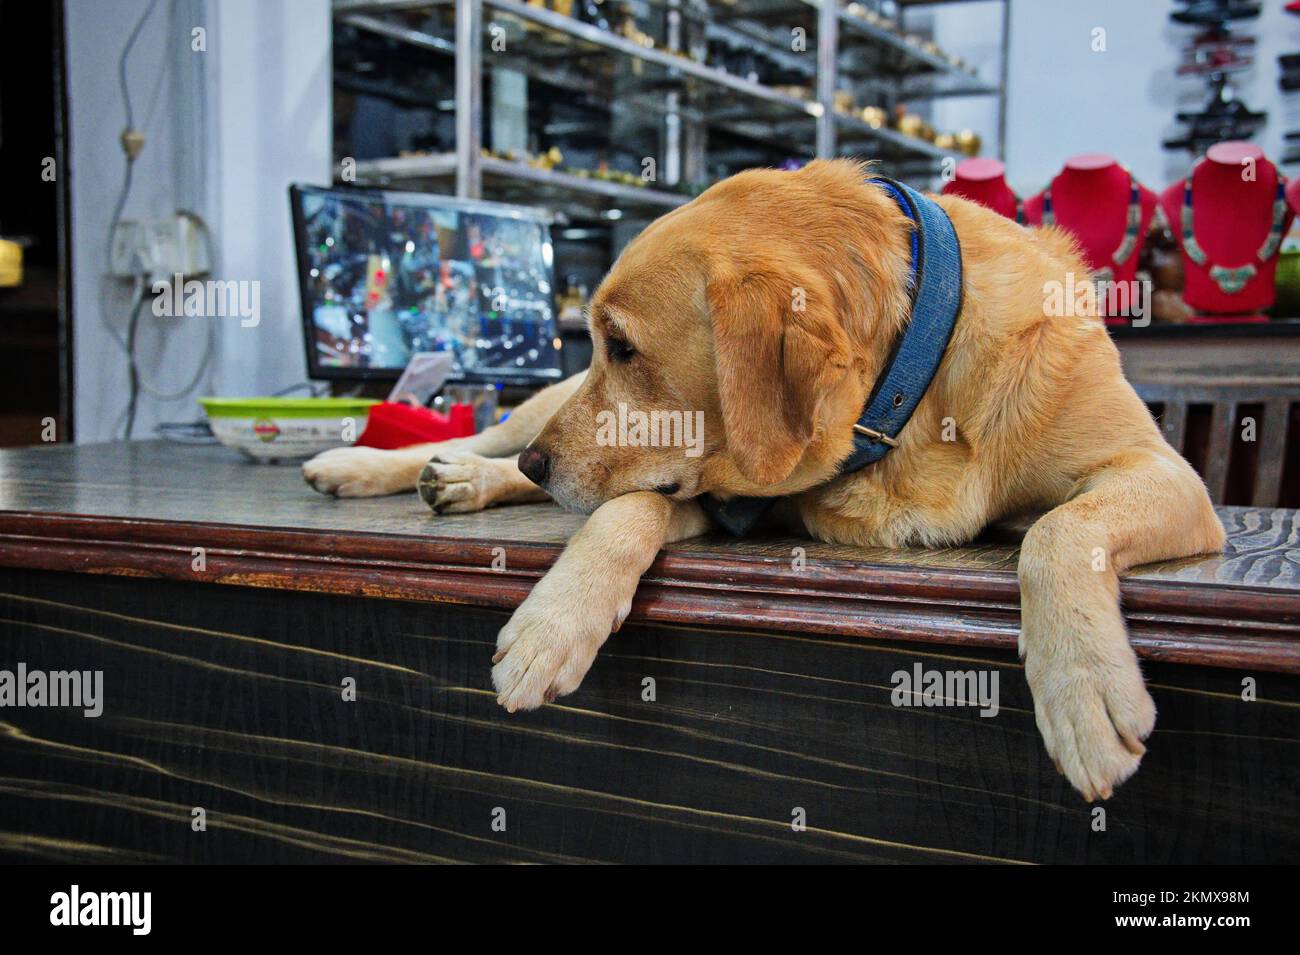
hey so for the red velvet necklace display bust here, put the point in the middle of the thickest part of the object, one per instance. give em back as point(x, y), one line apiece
point(1235, 226)
point(984, 181)
point(1096, 200)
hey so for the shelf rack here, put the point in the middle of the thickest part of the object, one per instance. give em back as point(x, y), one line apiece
point(670, 85)
point(517, 181)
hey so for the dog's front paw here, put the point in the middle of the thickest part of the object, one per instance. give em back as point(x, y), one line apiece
point(456, 482)
point(549, 643)
point(1092, 710)
point(354, 472)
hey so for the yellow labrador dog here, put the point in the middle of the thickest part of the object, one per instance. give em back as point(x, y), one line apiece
point(771, 304)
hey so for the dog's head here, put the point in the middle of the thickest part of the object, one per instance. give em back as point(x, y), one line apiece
point(730, 342)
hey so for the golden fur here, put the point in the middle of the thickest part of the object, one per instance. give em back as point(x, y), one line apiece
point(770, 303)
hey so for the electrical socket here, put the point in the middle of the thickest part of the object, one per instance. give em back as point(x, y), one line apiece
point(160, 248)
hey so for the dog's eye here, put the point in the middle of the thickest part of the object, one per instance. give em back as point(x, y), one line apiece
point(619, 350)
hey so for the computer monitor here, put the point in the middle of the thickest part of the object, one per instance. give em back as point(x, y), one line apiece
point(384, 275)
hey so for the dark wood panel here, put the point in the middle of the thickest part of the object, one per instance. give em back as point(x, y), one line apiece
point(1222, 420)
point(1236, 469)
point(1268, 487)
point(1173, 422)
point(228, 698)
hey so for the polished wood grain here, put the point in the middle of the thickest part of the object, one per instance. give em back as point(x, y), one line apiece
point(143, 510)
point(229, 699)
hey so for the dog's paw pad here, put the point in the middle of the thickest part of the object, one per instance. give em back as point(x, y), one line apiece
point(454, 482)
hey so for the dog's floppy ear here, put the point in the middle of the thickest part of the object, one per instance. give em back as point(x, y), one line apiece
point(779, 349)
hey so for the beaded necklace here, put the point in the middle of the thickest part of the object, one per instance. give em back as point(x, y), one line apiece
point(1232, 281)
point(1132, 227)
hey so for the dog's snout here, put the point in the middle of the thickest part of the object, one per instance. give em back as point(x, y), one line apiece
point(535, 465)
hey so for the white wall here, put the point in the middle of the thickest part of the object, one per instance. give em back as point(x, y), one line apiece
point(972, 31)
point(1064, 98)
point(272, 122)
point(96, 34)
point(226, 131)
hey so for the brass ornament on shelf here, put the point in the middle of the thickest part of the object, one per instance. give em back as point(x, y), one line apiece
point(969, 142)
point(909, 124)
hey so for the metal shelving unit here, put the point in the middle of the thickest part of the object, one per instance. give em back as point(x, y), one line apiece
point(688, 99)
point(517, 181)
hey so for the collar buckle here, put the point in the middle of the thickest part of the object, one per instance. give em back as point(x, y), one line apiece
point(875, 435)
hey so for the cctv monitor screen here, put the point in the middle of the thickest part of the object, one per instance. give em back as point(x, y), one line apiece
point(384, 275)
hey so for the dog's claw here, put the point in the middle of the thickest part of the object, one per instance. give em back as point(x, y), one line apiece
point(1092, 726)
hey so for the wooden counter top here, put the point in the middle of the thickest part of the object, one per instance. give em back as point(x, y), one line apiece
point(142, 509)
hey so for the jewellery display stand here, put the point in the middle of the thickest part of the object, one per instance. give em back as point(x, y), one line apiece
point(1108, 211)
point(1229, 215)
point(984, 181)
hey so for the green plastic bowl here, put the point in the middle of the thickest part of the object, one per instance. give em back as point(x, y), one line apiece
point(286, 429)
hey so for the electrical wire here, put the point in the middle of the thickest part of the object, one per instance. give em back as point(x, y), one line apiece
point(125, 343)
point(121, 62)
point(125, 191)
point(136, 295)
point(177, 395)
point(208, 348)
point(134, 370)
point(137, 384)
point(315, 389)
point(186, 432)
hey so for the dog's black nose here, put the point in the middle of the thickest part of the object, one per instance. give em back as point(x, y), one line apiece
point(536, 465)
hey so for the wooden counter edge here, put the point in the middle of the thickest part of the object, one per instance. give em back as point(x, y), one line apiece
point(1171, 621)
